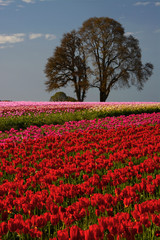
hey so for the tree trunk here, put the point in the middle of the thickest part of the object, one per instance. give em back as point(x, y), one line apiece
point(83, 95)
point(104, 95)
point(79, 90)
point(80, 96)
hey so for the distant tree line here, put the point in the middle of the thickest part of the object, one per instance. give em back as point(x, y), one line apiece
point(98, 55)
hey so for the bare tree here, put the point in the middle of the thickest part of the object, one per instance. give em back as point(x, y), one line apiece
point(68, 65)
point(116, 58)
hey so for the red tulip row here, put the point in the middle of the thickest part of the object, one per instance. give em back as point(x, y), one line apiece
point(94, 184)
point(106, 123)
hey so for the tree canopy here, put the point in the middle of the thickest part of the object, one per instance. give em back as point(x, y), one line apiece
point(61, 97)
point(99, 55)
point(116, 58)
point(58, 97)
point(68, 64)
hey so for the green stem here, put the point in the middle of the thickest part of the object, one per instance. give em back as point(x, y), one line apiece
point(49, 229)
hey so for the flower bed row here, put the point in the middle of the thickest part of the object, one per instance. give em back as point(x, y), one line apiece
point(21, 115)
point(94, 180)
point(105, 123)
point(22, 108)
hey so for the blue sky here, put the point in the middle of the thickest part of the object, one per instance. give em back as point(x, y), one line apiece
point(30, 30)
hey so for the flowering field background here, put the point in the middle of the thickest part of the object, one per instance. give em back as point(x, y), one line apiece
point(94, 176)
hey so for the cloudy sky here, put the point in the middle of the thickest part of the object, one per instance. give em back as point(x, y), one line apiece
point(30, 30)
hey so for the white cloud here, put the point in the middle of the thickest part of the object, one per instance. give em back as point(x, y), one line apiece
point(20, 6)
point(50, 36)
point(157, 4)
point(5, 2)
point(141, 3)
point(9, 46)
point(14, 38)
point(128, 33)
point(9, 40)
point(35, 35)
point(157, 30)
point(38, 35)
point(122, 17)
point(28, 1)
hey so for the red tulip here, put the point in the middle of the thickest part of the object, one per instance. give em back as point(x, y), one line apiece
point(75, 233)
point(62, 234)
point(3, 228)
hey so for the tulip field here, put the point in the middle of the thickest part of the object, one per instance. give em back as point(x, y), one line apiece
point(88, 179)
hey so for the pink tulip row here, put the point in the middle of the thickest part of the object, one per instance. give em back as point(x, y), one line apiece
point(30, 103)
point(21, 108)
